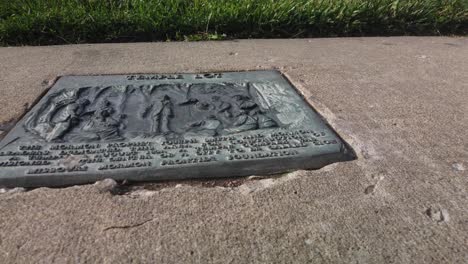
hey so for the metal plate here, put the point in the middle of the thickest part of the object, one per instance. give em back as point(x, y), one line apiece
point(159, 127)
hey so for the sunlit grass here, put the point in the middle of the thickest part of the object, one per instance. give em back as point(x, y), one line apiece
point(37, 22)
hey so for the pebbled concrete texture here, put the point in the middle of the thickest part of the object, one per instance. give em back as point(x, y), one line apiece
point(400, 102)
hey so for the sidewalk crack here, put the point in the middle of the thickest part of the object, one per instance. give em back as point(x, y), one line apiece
point(127, 226)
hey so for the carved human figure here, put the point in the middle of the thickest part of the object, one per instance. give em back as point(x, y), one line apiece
point(243, 122)
point(161, 117)
point(248, 116)
point(102, 125)
point(208, 127)
point(63, 118)
point(56, 102)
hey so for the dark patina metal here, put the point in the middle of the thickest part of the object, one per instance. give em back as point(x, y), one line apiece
point(159, 127)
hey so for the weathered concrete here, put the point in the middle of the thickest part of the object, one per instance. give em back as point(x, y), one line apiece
point(400, 102)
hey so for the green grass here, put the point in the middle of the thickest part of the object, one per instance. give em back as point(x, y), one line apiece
point(39, 22)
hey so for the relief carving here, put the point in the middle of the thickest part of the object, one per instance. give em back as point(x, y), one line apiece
point(116, 113)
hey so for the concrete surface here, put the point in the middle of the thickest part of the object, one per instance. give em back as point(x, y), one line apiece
point(402, 103)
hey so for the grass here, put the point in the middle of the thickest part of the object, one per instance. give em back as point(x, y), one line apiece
point(39, 22)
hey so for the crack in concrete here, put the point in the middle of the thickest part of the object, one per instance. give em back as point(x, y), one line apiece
point(128, 226)
point(243, 185)
point(146, 189)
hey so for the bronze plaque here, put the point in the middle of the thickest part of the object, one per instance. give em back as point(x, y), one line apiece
point(166, 126)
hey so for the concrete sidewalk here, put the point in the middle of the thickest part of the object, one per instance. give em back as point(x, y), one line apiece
point(401, 103)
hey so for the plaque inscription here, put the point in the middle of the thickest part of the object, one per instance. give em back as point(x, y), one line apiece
point(159, 127)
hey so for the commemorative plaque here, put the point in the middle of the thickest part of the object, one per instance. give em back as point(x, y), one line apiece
point(166, 126)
